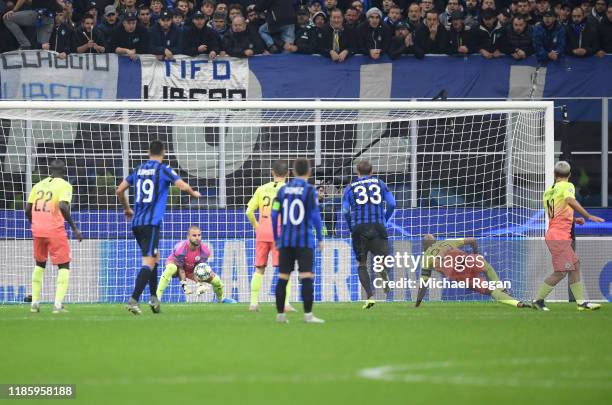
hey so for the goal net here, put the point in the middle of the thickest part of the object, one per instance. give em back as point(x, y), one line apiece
point(456, 170)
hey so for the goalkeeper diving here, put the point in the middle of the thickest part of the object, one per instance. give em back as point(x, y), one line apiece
point(446, 257)
point(185, 257)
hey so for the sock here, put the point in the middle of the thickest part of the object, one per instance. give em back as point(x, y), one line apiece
point(37, 277)
point(281, 292)
point(578, 290)
point(217, 288)
point(490, 272)
point(504, 298)
point(255, 286)
point(307, 294)
point(288, 292)
point(153, 281)
point(165, 279)
point(141, 282)
point(364, 279)
point(544, 290)
point(62, 286)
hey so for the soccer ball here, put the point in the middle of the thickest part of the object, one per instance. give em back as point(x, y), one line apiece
point(202, 272)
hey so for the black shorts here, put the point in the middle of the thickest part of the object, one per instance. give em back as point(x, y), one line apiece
point(147, 237)
point(289, 255)
point(371, 238)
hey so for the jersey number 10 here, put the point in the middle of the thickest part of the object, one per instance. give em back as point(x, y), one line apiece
point(293, 212)
point(145, 187)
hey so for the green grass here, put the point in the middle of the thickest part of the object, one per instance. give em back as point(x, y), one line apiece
point(448, 353)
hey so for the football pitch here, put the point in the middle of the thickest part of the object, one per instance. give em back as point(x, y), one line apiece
point(449, 353)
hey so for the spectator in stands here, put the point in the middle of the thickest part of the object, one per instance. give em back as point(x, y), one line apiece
point(549, 38)
point(451, 6)
point(127, 7)
point(62, 37)
point(328, 6)
point(302, 24)
point(8, 41)
point(105, 28)
point(403, 43)
point(517, 41)
point(88, 40)
point(504, 17)
point(308, 42)
point(563, 11)
point(357, 5)
point(426, 6)
point(183, 7)
point(605, 33)
point(581, 35)
point(156, 9)
point(488, 5)
point(40, 16)
point(90, 8)
point(254, 19)
point(221, 8)
point(241, 43)
point(234, 10)
point(373, 36)
point(489, 35)
point(461, 40)
point(144, 17)
point(129, 38)
point(542, 6)
point(522, 8)
point(68, 14)
point(598, 12)
point(314, 6)
point(337, 42)
point(165, 38)
point(414, 19)
point(280, 18)
point(208, 9)
point(432, 37)
point(178, 20)
point(393, 17)
point(199, 39)
point(219, 24)
point(472, 14)
point(351, 18)
point(587, 6)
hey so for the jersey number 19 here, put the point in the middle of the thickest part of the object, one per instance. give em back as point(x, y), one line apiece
point(145, 187)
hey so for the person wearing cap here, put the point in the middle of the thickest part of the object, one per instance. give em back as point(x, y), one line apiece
point(307, 43)
point(39, 16)
point(105, 28)
point(242, 43)
point(549, 38)
point(504, 17)
point(337, 42)
point(82, 8)
point(517, 40)
point(432, 37)
point(62, 37)
point(451, 7)
point(165, 37)
point(373, 36)
point(280, 19)
point(582, 36)
point(129, 38)
point(302, 24)
point(461, 40)
point(88, 40)
point(219, 24)
point(489, 34)
point(199, 39)
point(472, 14)
point(605, 33)
point(403, 43)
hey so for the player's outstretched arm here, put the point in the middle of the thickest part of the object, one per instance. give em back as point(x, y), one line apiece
point(576, 206)
point(123, 199)
point(65, 210)
point(183, 281)
point(186, 188)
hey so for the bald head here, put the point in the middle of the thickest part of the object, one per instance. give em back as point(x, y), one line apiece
point(428, 240)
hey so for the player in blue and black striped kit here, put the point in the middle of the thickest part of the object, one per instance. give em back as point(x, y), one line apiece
point(367, 205)
point(151, 182)
point(297, 206)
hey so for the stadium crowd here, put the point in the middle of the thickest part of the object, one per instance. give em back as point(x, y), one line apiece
point(333, 28)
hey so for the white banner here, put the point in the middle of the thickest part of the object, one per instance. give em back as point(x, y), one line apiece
point(42, 75)
point(187, 78)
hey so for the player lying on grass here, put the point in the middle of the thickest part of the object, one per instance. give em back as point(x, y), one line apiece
point(181, 263)
point(560, 203)
point(445, 257)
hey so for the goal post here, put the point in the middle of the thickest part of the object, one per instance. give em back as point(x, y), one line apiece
point(451, 166)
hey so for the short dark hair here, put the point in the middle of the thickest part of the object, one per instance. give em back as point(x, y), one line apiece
point(364, 167)
point(57, 167)
point(88, 16)
point(156, 147)
point(301, 166)
point(280, 168)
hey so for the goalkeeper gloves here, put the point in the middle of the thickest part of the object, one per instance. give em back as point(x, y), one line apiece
point(186, 288)
point(202, 288)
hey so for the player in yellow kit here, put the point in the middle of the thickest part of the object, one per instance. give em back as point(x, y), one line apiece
point(264, 240)
point(560, 203)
